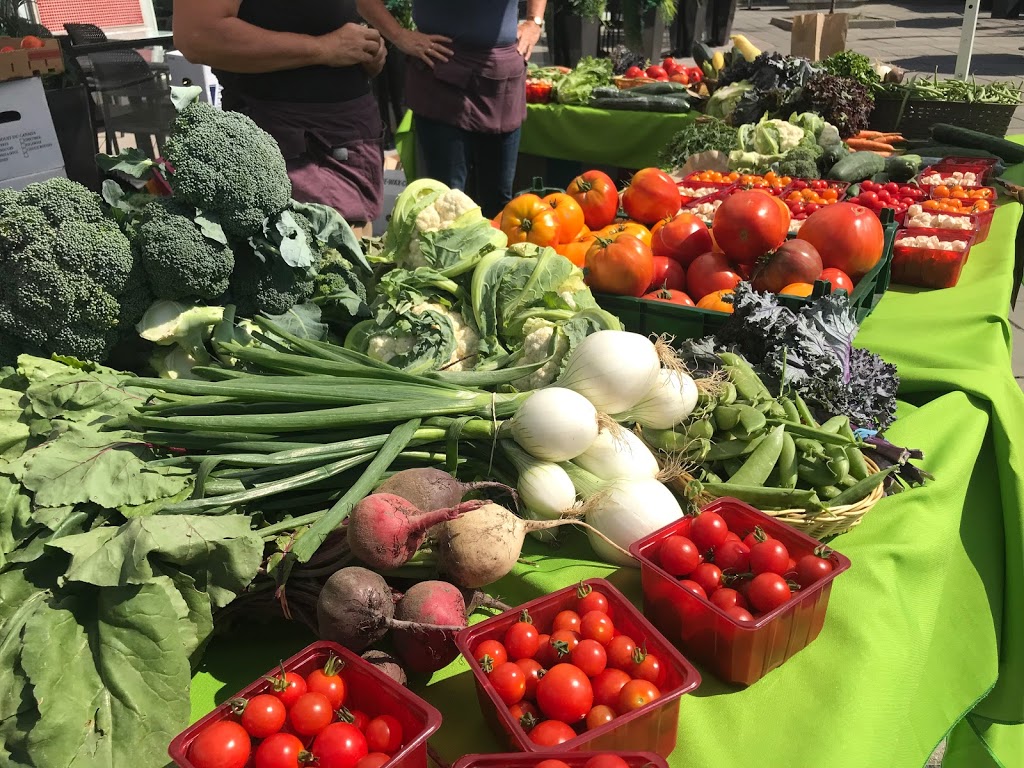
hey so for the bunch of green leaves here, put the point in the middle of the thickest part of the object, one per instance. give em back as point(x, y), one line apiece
point(401, 10)
point(590, 73)
point(853, 65)
point(704, 134)
point(843, 102)
point(591, 10)
point(104, 606)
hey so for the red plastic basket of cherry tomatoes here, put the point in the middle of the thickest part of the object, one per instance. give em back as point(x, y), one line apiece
point(898, 197)
point(736, 589)
point(325, 701)
point(610, 681)
point(564, 760)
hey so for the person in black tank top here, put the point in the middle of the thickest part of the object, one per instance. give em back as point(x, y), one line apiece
point(301, 70)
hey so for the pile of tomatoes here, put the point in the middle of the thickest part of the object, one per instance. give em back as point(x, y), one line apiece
point(955, 205)
point(805, 197)
point(669, 69)
point(574, 676)
point(744, 577)
point(27, 42)
point(771, 182)
point(301, 720)
point(899, 197)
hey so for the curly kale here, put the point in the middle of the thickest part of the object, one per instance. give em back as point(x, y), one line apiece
point(841, 101)
point(623, 58)
point(227, 167)
point(853, 65)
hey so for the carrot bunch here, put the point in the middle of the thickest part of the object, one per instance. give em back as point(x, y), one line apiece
point(875, 141)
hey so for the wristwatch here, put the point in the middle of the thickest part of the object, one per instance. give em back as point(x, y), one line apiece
point(538, 20)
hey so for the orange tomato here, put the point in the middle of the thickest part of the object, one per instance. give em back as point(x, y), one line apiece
point(980, 205)
point(797, 289)
point(932, 205)
point(639, 231)
point(576, 251)
point(526, 219)
point(940, 192)
point(31, 41)
point(569, 215)
point(716, 301)
point(623, 266)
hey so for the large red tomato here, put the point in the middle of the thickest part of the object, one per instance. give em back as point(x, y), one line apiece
point(848, 237)
point(650, 196)
point(710, 272)
point(795, 261)
point(623, 266)
point(683, 238)
point(748, 225)
point(595, 192)
point(840, 280)
point(668, 274)
point(670, 297)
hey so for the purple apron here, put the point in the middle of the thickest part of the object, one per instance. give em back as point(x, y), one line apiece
point(334, 151)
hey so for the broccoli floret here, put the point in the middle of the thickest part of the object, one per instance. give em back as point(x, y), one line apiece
point(801, 162)
point(8, 197)
point(266, 285)
point(337, 289)
point(228, 167)
point(180, 261)
point(65, 271)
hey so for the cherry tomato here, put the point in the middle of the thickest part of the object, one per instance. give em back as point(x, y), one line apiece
point(547, 654)
point(532, 673)
point(310, 714)
point(868, 198)
point(565, 693)
point(840, 280)
point(569, 620)
point(739, 614)
point(522, 640)
point(636, 694)
point(223, 744)
point(384, 734)
point(491, 654)
point(708, 576)
point(339, 745)
point(726, 598)
point(590, 657)
point(551, 733)
point(769, 556)
point(288, 687)
point(509, 682)
point(606, 686)
point(589, 599)
point(646, 666)
point(732, 536)
point(733, 556)
point(679, 556)
point(768, 591)
point(597, 625)
point(708, 530)
point(599, 715)
point(355, 717)
point(790, 568)
point(328, 682)
point(523, 712)
point(558, 763)
point(563, 641)
point(374, 760)
point(755, 536)
point(263, 715)
point(810, 568)
point(620, 652)
point(279, 750)
point(606, 761)
point(693, 586)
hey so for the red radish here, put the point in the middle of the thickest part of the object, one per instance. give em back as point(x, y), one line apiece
point(385, 530)
point(432, 488)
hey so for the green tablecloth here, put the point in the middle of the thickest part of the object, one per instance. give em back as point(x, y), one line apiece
point(924, 629)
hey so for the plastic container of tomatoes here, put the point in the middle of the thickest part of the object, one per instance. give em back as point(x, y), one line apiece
point(799, 185)
point(737, 652)
point(718, 187)
point(930, 267)
point(367, 689)
point(572, 759)
point(976, 193)
point(653, 727)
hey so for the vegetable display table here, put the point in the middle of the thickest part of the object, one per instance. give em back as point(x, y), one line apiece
point(924, 629)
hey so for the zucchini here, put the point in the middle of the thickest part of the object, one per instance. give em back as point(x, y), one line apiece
point(944, 150)
point(702, 54)
point(664, 103)
point(857, 167)
point(957, 136)
point(903, 168)
point(657, 88)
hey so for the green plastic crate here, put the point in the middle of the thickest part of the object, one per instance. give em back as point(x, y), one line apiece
point(657, 317)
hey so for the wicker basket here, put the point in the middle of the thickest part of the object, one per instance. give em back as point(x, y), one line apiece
point(622, 83)
point(914, 118)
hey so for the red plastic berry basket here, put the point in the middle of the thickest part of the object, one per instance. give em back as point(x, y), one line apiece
point(738, 652)
point(652, 727)
point(993, 194)
point(930, 267)
point(946, 171)
point(980, 223)
point(572, 759)
point(367, 689)
point(797, 185)
point(692, 184)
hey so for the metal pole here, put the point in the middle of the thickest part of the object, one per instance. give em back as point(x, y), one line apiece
point(963, 54)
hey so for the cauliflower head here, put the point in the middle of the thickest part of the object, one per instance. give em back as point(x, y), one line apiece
point(402, 346)
point(542, 341)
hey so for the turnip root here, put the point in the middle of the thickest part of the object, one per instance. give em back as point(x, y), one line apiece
point(429, 603)
point(387, 664)
point(484, 544)
point(355, 608)
point(385, 530)
point(432, 488)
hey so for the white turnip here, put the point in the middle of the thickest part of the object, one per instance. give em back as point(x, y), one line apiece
point(432, 488)
point(385, 530)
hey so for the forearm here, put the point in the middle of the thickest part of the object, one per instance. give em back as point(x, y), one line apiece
point(535, 8)
point(237, 46)
point(380, 18)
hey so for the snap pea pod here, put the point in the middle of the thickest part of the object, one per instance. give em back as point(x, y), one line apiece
point(835, 424)
point(847, 432)
point(762, 460)
point(732, 466)
point(729, 394)
point(814, 472)
point(787, 462)
point(764, 406)
point(727, 416)
point(837, 462)
point(744, 420)
point(732, 449)
point(792, 414)
point(804, 411)
point(809, 447)
point(697, 450)
point(748, 385)
point(847, 482)
point(710, 477)
point(668, 440)
point(701, 428)
point(827, 492)
point(767, 498)
point(814, 433)
point(707, 400)
point(862, 488)
point(858, 466)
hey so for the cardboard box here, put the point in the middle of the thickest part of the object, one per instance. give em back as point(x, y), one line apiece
point(23, 181)
point(28, 140)
point(30, 62)
point(394, 185)
point(184, 73)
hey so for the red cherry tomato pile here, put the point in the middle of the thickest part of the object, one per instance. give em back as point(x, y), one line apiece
point(771, 182)
point(743, 577)
point(597, 761)
point(899, 197)
point(578, 675)
point(301, 716)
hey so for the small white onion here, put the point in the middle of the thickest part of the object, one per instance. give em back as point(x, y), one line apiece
point(671, 399)
point(627, 510)
point(617, 454)
point(612, 369)
point(555, 424)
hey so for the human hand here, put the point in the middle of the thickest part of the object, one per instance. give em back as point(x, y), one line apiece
point(430, 49)
point(527, 37)
point(349, 45)
point(376, 64)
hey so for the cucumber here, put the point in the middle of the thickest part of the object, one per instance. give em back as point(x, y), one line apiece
point(857, 167)
point(954, 134)
point(944, 150)
point(702, 54)
point(903, 168)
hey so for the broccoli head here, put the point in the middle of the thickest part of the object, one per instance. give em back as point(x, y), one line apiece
point(180, 261)
point(337, 289)
point(65, 271)
point(801, 162)
point(261, 284)
point(227, 167)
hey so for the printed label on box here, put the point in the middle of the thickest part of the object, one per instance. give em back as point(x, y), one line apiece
point(28, 140)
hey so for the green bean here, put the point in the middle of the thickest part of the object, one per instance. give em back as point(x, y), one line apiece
point(804, 411)
point(792, 414)
point(767, 498)
point(835, 424)
point(814, 433)
point(732, 449)
point(862, 488)
point(858, 466)
point(787, 462)
point(762, 460)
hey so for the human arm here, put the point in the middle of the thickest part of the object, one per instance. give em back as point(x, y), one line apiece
point(528, 33)
point(428, 48)
point(210, 32)
point(374, 66)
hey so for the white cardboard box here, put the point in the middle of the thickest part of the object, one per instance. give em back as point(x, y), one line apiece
point(28, 141)
point(394, 185)
point(20, 182)
point(184, 72)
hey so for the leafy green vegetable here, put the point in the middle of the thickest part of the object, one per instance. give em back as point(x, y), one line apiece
point(853, 65)
point(589, 73)
point(704, 134)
